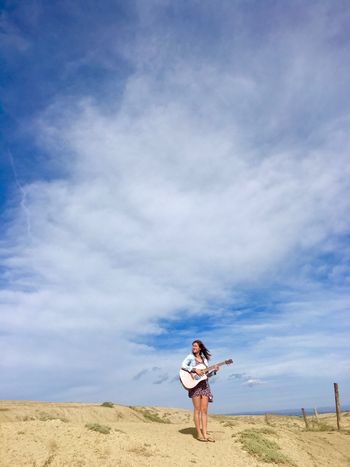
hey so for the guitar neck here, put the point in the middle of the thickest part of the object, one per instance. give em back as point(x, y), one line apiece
point(213, 366)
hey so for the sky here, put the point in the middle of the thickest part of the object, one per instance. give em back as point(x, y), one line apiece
point(172, 171)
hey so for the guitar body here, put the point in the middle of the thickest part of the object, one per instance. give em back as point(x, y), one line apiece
point(190, 380)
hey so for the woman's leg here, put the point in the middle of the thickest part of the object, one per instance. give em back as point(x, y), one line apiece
point(196, 415)
point(204, 412)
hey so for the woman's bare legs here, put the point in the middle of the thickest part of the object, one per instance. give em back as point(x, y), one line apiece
point(197, 415)
point(200, 405)
point(204, 412)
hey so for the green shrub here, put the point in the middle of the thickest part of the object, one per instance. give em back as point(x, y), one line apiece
point(149, 416)
point(264, 449)
point(107, 404)
point(44, 417)
point(99, 428)
point(154, 417)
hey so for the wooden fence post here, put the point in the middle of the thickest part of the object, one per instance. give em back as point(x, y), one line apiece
point(337, 405)
point(305, 419)
point(316, 415)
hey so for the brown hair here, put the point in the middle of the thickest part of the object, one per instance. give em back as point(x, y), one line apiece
point(202, 349)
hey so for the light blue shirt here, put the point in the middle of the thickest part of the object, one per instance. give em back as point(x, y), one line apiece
point(190, 362)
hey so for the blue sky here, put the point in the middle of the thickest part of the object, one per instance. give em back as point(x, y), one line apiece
point(171, 171)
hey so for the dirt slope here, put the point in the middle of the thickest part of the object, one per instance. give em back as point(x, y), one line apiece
point(55, 434)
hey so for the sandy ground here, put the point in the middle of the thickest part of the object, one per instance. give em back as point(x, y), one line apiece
point(55, 434)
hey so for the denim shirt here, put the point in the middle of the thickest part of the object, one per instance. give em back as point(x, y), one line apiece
point(190, 362)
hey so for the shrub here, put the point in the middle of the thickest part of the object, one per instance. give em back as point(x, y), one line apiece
point(44, 417)
point(107, 404)
point(149, 416)
point(99, 428)
point(264, 449)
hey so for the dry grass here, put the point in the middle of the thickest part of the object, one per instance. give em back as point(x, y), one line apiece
point(254, 442)
point(140, 451)
point(49, 460)
point(320, 426)
point(267, 418)
point(28, 418)
point(229, 424)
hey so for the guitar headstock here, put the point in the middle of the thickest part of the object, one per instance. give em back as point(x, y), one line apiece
point(229, 361)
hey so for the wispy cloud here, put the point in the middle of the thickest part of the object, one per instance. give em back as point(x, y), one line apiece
point(23, 194)
point(12, 38)
point(253, 382)
point(156, 375)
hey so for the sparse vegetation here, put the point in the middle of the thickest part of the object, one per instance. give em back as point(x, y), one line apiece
point(28, 418)
point(228, 424)
point(44, 417)
point(320, 426)
point(107, 404)
point(268, 419)
point(150, 416)
point(255, 443)
point(104, 429)
point(266, 431)
point(141, 451)
point(49, 460)
point(154, 417)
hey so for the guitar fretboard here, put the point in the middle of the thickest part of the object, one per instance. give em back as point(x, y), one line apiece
point(226, 362)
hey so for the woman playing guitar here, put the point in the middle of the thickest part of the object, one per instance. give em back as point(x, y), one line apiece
point(201, 393)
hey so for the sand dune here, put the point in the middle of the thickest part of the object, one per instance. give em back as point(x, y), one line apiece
point(63, 434)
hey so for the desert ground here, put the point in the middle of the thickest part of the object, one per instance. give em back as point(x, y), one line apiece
point(74, 434)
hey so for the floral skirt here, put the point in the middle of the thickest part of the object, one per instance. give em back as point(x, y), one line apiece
point(202, 389)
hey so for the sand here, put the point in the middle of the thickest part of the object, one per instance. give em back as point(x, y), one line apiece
point(55, 434)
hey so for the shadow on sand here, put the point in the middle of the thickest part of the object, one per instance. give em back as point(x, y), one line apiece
point(188, 431)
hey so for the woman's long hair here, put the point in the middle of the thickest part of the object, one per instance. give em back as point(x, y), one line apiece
point(202, 349)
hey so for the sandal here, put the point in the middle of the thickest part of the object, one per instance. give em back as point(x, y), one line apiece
point(204, 440)
point(210, 440)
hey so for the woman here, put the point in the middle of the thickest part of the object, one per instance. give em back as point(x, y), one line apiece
point(200, 394)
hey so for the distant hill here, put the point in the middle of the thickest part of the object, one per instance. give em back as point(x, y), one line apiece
point(293, 412)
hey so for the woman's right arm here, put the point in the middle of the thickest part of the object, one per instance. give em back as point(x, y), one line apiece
point(188, 363)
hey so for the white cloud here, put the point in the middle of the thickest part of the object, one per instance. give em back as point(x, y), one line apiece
point(173, 200)
point(253, 382)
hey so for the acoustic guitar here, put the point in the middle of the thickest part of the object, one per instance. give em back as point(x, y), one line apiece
point(190, 380)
